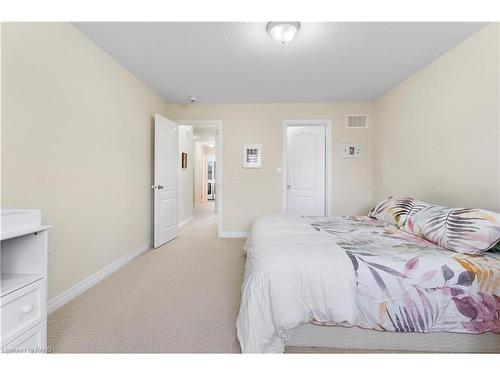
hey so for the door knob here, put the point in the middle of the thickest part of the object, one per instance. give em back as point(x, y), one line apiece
point(288, 187)
point(160, 187)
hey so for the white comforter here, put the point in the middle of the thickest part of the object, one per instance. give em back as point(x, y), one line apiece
point(293, 274)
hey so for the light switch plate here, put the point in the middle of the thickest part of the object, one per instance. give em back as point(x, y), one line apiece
point(351, 151)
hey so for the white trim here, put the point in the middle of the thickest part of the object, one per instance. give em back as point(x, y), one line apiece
point(328, 162)
point(220, 165)
point(233, 234)
point(90, 281)
point(184, 222)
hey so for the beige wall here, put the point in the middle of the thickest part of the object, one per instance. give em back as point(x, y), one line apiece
point(76, 143)
point(436, 134)
point(198, 157)
point(186, 175)
point(251, 192)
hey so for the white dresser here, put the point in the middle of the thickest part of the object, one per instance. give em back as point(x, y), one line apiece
point(23, 286)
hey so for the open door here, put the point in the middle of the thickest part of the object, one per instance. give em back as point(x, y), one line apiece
point(165, 180)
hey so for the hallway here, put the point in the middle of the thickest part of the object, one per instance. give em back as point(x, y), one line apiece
point(206, 210)
point(180, 298)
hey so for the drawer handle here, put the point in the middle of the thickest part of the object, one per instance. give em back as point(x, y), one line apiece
point(27, 308)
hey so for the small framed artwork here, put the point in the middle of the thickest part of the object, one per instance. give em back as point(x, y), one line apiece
point(252, 155)
point(184, 159)
point(351, 151)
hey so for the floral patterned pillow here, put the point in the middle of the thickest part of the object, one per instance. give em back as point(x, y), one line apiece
point(393, 210)
point(464, 230)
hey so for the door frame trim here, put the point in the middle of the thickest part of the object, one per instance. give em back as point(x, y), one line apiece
point(219, 159)
point(328, 160)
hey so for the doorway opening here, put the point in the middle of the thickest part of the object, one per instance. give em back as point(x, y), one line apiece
point(200, 190)
point(307, 177)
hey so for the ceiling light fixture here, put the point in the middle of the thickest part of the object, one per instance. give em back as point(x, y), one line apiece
point(282, 32)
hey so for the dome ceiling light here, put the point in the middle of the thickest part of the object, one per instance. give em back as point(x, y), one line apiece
point(282, 32)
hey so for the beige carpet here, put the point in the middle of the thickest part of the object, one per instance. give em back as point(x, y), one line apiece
point(180, 298)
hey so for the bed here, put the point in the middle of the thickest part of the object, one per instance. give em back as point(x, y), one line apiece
point(366, 283)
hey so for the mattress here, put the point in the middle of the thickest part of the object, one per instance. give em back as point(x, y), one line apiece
point(357, 271)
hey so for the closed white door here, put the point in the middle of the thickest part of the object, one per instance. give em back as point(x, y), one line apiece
point(305, 170)
point(165, 180)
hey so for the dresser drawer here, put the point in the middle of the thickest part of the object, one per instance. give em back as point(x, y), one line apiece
point(33, 341)
point(22, 310)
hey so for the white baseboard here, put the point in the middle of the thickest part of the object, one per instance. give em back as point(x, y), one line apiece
point(233, 234)
point(184, 222)
point(90, 281)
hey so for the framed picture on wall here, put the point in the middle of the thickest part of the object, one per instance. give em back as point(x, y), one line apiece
point(252, 155)
point(184, 160)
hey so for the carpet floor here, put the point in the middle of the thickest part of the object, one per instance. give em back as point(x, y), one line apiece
point(180, 298)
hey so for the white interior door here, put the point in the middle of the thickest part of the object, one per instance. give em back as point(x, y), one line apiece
point(165, 180)
point(305, 170)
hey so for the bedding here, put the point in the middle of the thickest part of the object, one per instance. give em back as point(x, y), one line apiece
point(392, 210)
point(464, 230)
point(359, 271)
point(293, 274)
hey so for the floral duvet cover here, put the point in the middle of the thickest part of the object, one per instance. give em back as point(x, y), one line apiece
point(406, 284)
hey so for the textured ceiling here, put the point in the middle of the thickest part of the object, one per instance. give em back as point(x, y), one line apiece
point(221, 62)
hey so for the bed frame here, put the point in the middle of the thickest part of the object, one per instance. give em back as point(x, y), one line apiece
point(332, 339)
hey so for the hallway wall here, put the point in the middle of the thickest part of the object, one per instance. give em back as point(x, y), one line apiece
point(186, 175)
point(198, 170)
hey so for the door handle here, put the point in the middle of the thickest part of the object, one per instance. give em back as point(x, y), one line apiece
point(160, 187)
point(288, 187)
